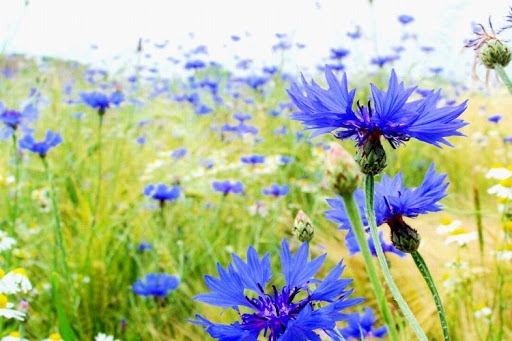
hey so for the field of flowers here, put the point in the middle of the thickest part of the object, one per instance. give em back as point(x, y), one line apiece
point(127, 195)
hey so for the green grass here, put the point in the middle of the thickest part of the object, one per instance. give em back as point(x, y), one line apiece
point(202, 228)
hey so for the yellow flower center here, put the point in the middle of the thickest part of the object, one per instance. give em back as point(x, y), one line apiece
point(20, 271)
point(506, 183)
point(55, 337)
point(458, 231)
point(2, 273)
point(446, 221)
point(15, 334)
point(3, 301)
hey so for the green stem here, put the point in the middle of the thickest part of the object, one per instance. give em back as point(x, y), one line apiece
point(369, 193)
point(358, 229)
point(504, 77)
point(57, 232)
point(17, 165)
point(422, 266)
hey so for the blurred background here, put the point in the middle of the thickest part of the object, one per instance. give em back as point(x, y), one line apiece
point(106, 33)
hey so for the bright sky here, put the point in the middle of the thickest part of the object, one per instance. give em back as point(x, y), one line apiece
point(67, 28)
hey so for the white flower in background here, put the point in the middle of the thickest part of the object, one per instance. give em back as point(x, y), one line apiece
point(7, 311)
point(14, 281)
point(259, 208)
point(6, 242)
point(104, 337)
point(499, 173)
point(460, 236)
point(448, 225)
point(483, 312)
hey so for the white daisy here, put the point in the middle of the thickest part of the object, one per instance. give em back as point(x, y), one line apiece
point(7, 311)
point(498, 173)
point(6, 242)
point(14, 282)
point(104, 337)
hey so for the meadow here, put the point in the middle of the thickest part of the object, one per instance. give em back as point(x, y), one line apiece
point(85, 226)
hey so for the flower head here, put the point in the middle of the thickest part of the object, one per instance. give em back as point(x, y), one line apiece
point(100, 101)
point(405, 19)
point(51, 140)
point(393, 201)
point(391, 117)
point(12, 119)
point(156, 284)
point(162, 192)
point(360, 326)
point(228, 186)
point(276, 190)
point(292, 312)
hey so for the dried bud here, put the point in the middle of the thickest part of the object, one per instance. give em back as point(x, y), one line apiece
point(495, 52)
point(371, 156)
point(303, 228)
point(343, 172)
point(404, 237)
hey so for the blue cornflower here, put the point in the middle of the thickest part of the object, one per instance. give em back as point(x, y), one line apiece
point(353, 246)
point(339, 53)
point(275, 190)
point(51, 140)
point(162, 193)
point(405, 19)
point(495, 118)
point(100, 101)
point(392, 117)
point(253, 159)
point(179, 153)
point(360, 327)
point(295, 312)
point(228, 186)
point(194, 65)
point(12, 119)
point(393, 201)
point(155, 284)
point(144, 246)
point(380, 61)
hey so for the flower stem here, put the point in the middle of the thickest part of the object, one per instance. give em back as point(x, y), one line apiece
point(58, 237)
point(357, 227)
point(422, 266)
point(504, 77)
point(369, 193)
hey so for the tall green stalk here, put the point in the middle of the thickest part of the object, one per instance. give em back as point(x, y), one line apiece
point(422, 266)
point(503, 76)
point(369, 194)
point(355, 220)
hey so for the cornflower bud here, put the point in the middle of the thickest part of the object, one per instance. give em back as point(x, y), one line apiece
point(403, 237)
point(303, 228)
point(343, 171)
point(495, 52)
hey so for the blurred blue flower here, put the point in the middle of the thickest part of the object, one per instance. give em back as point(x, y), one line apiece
point(253, 159)
point(356, 34)
point(12, 120)
point(360, 327)
point(179, 153)
point(380, 61)
point(275, 190)
point(405, 19)
point(155, 284)
point(495, 118)
point(194, 65)
point(301, 307)
point(144, 246)
point(162, 192)
point(330, 111)
point(51, 140)
point(339, 53)
point(228, 186)
point(100, 101)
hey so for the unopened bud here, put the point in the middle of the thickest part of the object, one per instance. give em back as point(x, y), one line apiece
point(404, 237)
point(371, 156)
point(343, 171)
point(495, 52)
point(303, 228)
